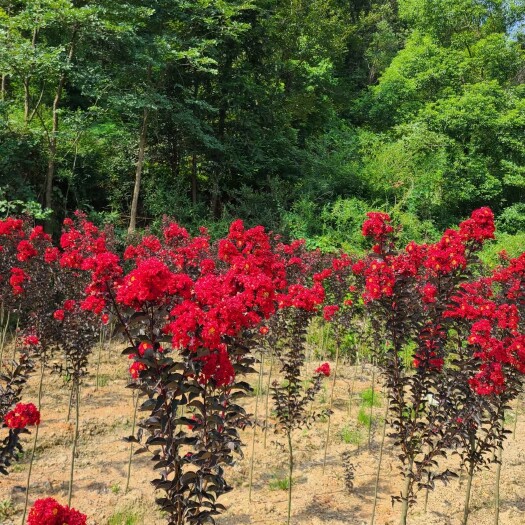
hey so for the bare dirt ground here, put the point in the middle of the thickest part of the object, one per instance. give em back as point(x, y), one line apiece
point(319, 497)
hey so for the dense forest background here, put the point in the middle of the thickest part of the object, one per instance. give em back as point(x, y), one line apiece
point(296, 114)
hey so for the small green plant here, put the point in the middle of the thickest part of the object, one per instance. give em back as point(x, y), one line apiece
point(363, 417)
point(125, 517)
point(7, 509)
point(279, 483)
point(115, 488)
point(370, 398)
point(102, 380)
point(351, 436)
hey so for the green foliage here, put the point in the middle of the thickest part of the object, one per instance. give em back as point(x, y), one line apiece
point(370, 398)
point(351, 436)
point(363, 417)
point(300, 116)
point(125, 517)
point(279, 483)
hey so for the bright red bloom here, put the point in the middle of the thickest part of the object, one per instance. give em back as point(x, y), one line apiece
point(428, 293)
point(10, 226)
point(324, 369)
point(479, 227)
point(69, 305)
point(25, 251)
point(217, 366)
point(22, 415)
point(377, 226)
point(135, 368)
point(31, 340)
point(51, 255)
point(105, 318)
point(330, 311)
point(38, 233)
point(152, 281)
point(59, 315)
point(18, 277)
point(48, 511)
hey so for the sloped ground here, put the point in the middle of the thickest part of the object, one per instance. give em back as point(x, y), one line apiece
point(319, 498)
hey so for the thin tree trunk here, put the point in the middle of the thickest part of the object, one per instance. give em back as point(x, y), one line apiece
point(138, 172)
point(53, 138)
point(496, 488)
point(334, 379)
point(194, 179)
point(405, 494)
point(3, 87)
point(379, 461)
point(466, 508)
point(35, 439)
point(75, 440)
point(290, 476)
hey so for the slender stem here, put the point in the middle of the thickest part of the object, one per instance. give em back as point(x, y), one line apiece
point(371, 407)
point(497, 484)
point(98, 360)
point(135, 403)
point(406, 493)
point(35, 438)
point(2, 340)
point(516, 417)
point(334, 378)
point(466, 508)
point(71, 394)
point(252, 458)
point(378, 471)
point(15, 345)
point(351, 396)
point(267, 408)
point(75, 439)
point(290, 475)
point(427, 490)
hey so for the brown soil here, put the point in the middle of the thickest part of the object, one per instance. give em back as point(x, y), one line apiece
point(318, 498)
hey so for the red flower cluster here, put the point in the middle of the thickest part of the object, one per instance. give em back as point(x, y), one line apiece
point(17, 279)
point(135, 368)
point(324, 369)
point(329, 311)
point(31, 340)
point(48, 511)
point(152, 282)
point(379, 280)
point(217, 366)
point(377, 226)
point(22, 415)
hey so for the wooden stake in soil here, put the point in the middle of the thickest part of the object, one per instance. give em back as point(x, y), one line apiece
point(290, 476)
point(35, 438)
point(378, 471)
point(334, 378)
point(466, 508)
point(75, 440)
point(267, 408)
point(136, 403)
point(371, 407)
point(2, 339)
point(252, 458)
point(100, 342)
point(496, 488)
point(516, 417)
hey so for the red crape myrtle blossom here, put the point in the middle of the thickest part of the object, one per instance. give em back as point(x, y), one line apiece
point(22, 416)
point(48, 511)
point(493, 310)
point(324, 369)
point(407, 293)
